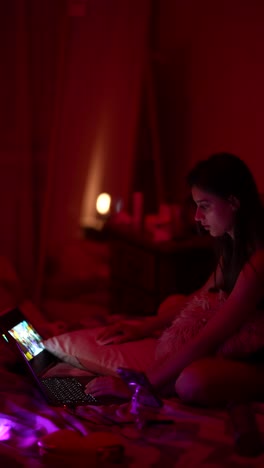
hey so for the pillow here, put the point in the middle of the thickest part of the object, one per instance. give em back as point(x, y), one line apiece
point(79, 348)
point(197, 312)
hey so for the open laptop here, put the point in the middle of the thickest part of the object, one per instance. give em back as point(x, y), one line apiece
point(23, 338)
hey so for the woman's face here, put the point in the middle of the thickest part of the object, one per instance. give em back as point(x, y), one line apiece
point(215, 214)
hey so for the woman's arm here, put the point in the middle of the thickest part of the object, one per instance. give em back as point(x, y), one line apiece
point(227, 320)
point(122, 332)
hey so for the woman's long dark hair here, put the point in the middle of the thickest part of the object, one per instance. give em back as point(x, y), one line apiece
point(226, 175)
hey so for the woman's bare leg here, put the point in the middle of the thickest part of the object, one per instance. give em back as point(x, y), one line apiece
point(217, 381)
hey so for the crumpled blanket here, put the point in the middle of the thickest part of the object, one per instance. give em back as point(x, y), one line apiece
point(195, 437)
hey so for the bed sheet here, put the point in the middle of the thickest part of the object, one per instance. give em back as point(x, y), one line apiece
point(196, 438)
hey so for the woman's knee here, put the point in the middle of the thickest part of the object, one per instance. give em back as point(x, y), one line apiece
point(215, 381)
point(193, 384)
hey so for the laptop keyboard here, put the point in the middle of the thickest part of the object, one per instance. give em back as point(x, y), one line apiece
point(66, 391)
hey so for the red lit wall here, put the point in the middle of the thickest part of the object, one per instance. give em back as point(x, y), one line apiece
point(219, 87)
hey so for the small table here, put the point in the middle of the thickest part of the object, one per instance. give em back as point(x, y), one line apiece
point(144, 272)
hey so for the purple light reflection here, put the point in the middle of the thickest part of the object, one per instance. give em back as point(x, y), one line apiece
point(5, 429)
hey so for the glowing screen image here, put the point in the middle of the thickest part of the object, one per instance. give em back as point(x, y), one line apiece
point(28, 338)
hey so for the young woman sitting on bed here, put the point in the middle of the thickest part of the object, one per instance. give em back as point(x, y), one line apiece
point(228, 205)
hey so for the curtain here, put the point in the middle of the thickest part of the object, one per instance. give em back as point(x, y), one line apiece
point(70, 92)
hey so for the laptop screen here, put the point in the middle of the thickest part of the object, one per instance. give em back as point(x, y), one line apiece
point(16, 329)
point(28, 339)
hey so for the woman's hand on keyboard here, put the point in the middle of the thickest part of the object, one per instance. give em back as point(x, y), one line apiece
point(108, 386)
